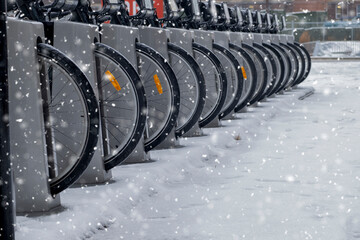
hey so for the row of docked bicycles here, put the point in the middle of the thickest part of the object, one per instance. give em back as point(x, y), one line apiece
point(160, 94)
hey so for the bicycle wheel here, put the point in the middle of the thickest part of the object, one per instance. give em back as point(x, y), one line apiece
point(192, 87)
point(216, 83)
point(122, 105)
point(261, 72)
point(287, 65)
point(301, 60)
point(234, 78)
point(250, 76)
point(294, 69)
point(307, 61)
point(280, 78)
point(162, 94)
point(271, 68)
point(71, 117)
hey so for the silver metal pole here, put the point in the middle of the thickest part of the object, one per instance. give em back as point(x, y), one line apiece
point(6, 189)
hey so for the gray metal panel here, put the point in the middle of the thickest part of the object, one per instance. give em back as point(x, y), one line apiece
point(182, 38)
point(267, 38)
point(247, 38)
point(76, 40)
point(27, 133)
point(275, 38)
point(283, 38)
point(221, 38)
point(235, 38)
point(204, 38)
point(155, 38)
point(258, 38)
point(123, 38)
point(290, 38)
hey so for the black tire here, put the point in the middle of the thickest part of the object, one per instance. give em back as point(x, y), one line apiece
point(167, 121)
point(307, 61)
point(281, 71)
point(287, 66)
point(262, 78)
point(233, 95)
point(192, 88)
point(123, 112)
point(246, 98)
point(220, 83)
point(78, 85)
point(294, 64)
point(272, 78)
point(301, 60)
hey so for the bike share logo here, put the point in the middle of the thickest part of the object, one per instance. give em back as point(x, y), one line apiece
point(133, 7)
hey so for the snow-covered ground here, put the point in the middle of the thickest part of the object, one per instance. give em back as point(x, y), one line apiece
point(287, 169)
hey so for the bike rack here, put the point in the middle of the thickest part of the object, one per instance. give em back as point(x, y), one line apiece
point(26, 122)
point(157, 39)
point(123, 38)
point(205, 38)
point(184, 39)
point(223, 39)
point(82, 37)
point(236, 38)
point(259, 39)
point(284, 39)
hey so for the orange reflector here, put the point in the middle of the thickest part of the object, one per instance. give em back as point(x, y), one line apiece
point(112, 79)
point(243, 72)
point(158, 84)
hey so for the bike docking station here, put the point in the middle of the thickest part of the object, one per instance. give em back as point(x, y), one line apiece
point(205, 39)
point(123, 39)
point(223, 39)
point(184, 38)
point(80, 50)
point(26, 121)
point(266, 40)
point(235, 38)
point(157, 39)
point(283, 40)
point(248, 39)
point(275, 41)
point(258, 45)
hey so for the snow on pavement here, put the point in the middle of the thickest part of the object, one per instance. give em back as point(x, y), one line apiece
point(287, 169)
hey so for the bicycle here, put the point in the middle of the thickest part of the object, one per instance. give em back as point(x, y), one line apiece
point(65, 118)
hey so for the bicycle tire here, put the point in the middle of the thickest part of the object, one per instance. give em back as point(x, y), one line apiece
point(122, 105)
point(301, 59)
point(287, 64)
point(156, 96)
point(220, 86)
point(76, 83)
point(192, 87)
point(263, 81)
point(281, 72)
point(307, 60)
point(272, 78)
point(249, 91)
point(232, 97)
point(294, 67)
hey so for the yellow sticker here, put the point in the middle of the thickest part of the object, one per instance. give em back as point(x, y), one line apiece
point(112, 79)
point(158, 84)
point(243, 72)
